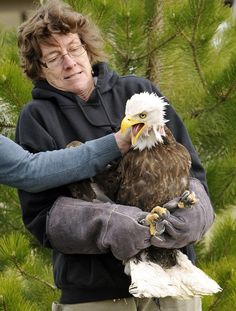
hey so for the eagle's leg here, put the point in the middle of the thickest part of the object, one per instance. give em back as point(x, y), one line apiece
point(151, 220)
point(154, 220)
point(188, 199)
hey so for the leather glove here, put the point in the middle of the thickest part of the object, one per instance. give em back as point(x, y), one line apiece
point(186, 225)
point(79, 227)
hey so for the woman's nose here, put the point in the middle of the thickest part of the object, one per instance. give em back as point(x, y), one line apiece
point(68, 61)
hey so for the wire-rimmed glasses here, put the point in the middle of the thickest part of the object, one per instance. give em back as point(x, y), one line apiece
point(74, 52)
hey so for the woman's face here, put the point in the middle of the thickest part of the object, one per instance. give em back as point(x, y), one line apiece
point(66, 64)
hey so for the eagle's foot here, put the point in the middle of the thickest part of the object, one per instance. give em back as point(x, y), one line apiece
point(188, 199)
point(154, 220)
point(160, 211)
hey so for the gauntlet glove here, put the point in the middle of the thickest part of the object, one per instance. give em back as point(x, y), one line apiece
point(187, 225)
point(79, 227)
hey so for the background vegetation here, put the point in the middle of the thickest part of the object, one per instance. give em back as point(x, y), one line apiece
point(188, 49)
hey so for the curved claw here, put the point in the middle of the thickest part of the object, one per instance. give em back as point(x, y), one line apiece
point(160, 227)
point(188, 199)
point(155, 220)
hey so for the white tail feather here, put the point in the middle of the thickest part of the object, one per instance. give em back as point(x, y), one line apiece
point(184, 280)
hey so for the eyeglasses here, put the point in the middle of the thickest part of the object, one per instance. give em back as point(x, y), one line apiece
point(74, 52)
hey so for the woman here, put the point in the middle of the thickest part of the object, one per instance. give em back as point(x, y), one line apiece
point(37, 172)
point(76, 96)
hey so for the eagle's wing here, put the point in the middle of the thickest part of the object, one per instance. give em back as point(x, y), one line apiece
point(103, 186)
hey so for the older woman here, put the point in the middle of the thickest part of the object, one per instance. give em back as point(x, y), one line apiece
point(77, 97)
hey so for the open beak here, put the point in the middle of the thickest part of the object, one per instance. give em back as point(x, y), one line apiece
point(136, 128)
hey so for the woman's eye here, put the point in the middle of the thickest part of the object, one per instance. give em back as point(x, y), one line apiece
point(75, 48)
point(142, 115)
point(51, 60)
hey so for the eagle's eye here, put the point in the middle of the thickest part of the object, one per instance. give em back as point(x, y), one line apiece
point(142, 115)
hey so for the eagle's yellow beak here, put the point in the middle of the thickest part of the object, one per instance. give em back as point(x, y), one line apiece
point(129, 122)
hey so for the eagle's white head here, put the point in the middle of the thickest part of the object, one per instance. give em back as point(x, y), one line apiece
point(145, 115)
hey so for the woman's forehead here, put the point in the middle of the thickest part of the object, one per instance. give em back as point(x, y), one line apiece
point(58, 39)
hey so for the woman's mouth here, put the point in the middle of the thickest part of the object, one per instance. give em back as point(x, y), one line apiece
point(72, 75)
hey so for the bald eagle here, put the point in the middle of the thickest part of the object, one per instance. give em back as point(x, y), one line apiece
point(153, 172)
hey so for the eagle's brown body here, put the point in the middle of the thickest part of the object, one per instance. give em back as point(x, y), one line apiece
point(154, 176)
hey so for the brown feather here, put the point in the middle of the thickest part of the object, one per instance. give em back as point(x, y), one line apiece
point(151, 178)
point(154, 176)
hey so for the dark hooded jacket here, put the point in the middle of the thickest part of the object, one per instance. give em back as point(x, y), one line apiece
point(52, 120)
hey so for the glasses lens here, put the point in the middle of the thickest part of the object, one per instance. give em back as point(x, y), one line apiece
point(74, 52)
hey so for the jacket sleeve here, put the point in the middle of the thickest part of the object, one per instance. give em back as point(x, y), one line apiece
point(37, 172)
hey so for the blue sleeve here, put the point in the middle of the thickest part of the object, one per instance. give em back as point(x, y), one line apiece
point(37, 172)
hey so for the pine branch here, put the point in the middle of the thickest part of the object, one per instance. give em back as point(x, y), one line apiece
point(198, 67)
point(9, 224)
point(9, 94)
point(7, 125)
point(220, 296)
point(3, 303)
point(116, 49)
point(227, 185)
point(230, 90)
point(101, 13)
point(196, 62)
point(220, 98)
point(161, 45)
point(30, 276)
point(4, 306)
point(144, 56)
point(192, 42)
point(197, 19)
point(127, 32)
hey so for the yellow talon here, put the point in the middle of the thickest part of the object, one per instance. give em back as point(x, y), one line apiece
point(155, 214)
point(160, 211)
point(188, 199)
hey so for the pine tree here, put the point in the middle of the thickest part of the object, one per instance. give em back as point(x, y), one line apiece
point(187, 48)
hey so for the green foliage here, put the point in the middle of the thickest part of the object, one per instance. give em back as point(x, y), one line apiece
point(24, 279)
point(15, 89)
point(187, 48)
point(217, 258)
point(13, 249)
point(223, 271)
point(10, 213)
point(11, 295)
point(221, 175)
point(11, 89)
